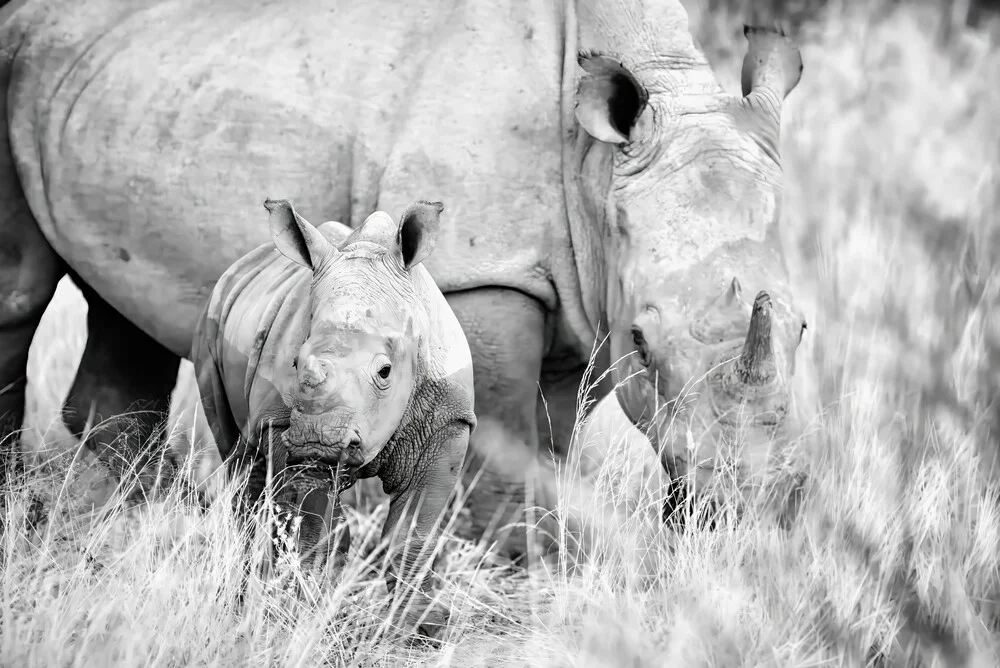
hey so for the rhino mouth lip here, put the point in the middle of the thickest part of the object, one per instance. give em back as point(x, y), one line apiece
point(313, 445)
point(731, 417)
point(749, 419)
point(338, 475)
point(323, 456)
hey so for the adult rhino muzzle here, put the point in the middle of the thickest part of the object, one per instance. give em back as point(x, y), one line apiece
point(713, 394)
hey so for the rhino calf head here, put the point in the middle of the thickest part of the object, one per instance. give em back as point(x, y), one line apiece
point(359, 364)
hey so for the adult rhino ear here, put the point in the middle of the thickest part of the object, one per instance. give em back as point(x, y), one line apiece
point(418, 231)
point(294, 236)
point(609, 99)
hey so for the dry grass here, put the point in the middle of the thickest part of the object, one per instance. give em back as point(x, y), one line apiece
point(890, 204)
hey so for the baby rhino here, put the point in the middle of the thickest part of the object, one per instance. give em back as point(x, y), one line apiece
point(334, 355)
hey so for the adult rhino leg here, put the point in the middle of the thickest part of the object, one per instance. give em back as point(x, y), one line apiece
point(564, 375)
point(120, 397)
point(505, 330)
point(29, 273)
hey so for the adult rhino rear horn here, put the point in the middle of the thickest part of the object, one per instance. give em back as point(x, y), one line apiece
point(772, 67)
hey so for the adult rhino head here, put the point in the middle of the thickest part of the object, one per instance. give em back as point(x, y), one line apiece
point(687, 183)
point(356, 370)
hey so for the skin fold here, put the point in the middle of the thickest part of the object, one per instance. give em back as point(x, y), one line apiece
point(602, 187)
point(333, 356)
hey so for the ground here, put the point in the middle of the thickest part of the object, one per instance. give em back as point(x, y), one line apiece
point(891, 202)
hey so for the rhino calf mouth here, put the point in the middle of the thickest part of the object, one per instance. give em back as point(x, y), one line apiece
point(314, 465)
point(312, 443)
point(320, 455)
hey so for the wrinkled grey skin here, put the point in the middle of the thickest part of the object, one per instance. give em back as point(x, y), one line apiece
point(332, 355)
point(605, 182)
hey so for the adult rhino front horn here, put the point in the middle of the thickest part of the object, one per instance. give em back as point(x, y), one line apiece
point(755, 366)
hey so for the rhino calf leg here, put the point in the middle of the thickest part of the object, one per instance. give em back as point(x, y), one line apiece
point(505, 330)
point(120, 396)
point(323, 531)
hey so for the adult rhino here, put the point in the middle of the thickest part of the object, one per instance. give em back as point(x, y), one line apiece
point(604, 181)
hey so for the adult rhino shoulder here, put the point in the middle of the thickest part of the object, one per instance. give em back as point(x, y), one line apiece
point(600, 182)
point(331, 356)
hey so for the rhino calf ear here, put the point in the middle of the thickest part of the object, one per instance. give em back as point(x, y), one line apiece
point(418, 231)
point(609, 99)
point(294, 236)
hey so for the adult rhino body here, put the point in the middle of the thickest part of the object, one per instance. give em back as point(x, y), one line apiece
point(604, 180)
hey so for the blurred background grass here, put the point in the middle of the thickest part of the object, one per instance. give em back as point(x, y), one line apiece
point(892, 191)
point(890, 148)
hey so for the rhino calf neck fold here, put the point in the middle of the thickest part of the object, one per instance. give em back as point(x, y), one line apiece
point(333, 353)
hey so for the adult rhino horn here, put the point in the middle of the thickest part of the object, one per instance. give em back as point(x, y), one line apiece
point(756, 363)
point(772, 67)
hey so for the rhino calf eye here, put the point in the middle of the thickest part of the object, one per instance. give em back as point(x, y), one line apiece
point(380, 370)
point(295, 362)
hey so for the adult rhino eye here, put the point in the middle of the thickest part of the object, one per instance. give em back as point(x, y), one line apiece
point(384, 372)
point(639, 341)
